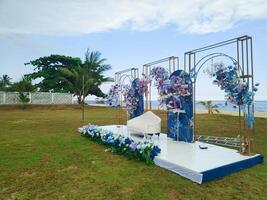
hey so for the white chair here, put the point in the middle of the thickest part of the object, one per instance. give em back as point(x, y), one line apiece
point(145, 124)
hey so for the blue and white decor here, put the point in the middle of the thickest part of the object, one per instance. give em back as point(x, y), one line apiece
point(236, 89)
point(175, 93)
point(180, 119)
point(113, 96)
point(139, 94)
point(134, 97)
point(143, 150)
point(185, 159)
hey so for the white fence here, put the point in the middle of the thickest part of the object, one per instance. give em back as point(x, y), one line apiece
point(37, 98)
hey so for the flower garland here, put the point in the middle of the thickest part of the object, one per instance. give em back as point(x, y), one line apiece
point(113, 95)
point(142, 85)
point(171, 89)
point(131, 99)
point(144, 151)
point(237, 90)
point(161, 77)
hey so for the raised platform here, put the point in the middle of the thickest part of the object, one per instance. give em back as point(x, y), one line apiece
point(189, 161)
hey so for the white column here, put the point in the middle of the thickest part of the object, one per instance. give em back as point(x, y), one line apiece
point(52, 98)
point(72, 99)
point(30, 97)
point(4, 98)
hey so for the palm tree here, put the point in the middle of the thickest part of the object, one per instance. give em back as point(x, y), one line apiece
point(88, 76)
point(24, 85)
point(211, 108)
point(5, 81)
point(77, 79)
point(24, 99)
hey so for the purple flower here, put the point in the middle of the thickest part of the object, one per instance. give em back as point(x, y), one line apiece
point(127, 141)
point(133, 146)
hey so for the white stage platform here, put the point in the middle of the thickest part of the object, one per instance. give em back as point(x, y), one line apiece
point(189, 161)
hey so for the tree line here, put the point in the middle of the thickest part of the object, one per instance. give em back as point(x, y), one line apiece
point(59, 73)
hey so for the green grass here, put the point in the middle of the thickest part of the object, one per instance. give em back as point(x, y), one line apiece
point(43, 157)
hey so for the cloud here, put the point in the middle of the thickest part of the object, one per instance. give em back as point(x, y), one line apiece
point(68, 17)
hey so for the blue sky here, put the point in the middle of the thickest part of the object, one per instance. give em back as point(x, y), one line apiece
point(129, 34)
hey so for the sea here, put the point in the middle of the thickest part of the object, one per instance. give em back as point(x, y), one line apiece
point(259, 106)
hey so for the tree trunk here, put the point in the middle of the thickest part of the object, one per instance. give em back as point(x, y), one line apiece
point(79, 99)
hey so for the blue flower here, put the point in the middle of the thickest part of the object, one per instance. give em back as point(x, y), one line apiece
point(110, 139)
point(155, 151)
point(117, 142)
point(127, 141)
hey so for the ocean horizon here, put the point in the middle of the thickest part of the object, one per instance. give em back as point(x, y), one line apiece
point(259, 106)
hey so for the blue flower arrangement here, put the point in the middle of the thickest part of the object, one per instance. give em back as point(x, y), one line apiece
point(144, 151)
point(132, 93)
point(172, 89)
point(130, 99)
point(237, 90)
point(113, 95)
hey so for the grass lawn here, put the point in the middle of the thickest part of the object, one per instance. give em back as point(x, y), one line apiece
point(43, 157)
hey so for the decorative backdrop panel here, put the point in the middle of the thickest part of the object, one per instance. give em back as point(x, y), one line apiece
point(139, 96)
point(180, 120)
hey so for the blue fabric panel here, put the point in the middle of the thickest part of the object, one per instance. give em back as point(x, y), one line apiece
point(140, 109)
point(172, 125)
point(228, 169)
point(183, 123)
point(185, 120)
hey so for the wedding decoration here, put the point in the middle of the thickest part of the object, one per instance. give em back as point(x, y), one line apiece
point(131, 101)
point(180, 115)
point(161, 77)
point(144, 151)
point(113, 95)
point(236, 89)
point(142, 85)
point(133, 96)
point(229, 80)
point(171, 89)
point(175, 93)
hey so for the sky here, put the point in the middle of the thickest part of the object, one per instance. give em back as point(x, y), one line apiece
point(130, 33)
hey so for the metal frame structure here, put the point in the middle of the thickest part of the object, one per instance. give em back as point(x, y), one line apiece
point(231, 142)
point(243, 59)
point(173, 65)
point(120, 77)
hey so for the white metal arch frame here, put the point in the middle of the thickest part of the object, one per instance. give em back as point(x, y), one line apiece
point(209, 57)
point(121, 76)
point(132, 73)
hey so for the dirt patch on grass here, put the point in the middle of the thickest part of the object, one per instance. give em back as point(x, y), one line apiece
point(69, 168)
point(128, 190)
point(172, 194)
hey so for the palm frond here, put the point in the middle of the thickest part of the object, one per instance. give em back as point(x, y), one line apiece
point(203, 103)
point(216, 110)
